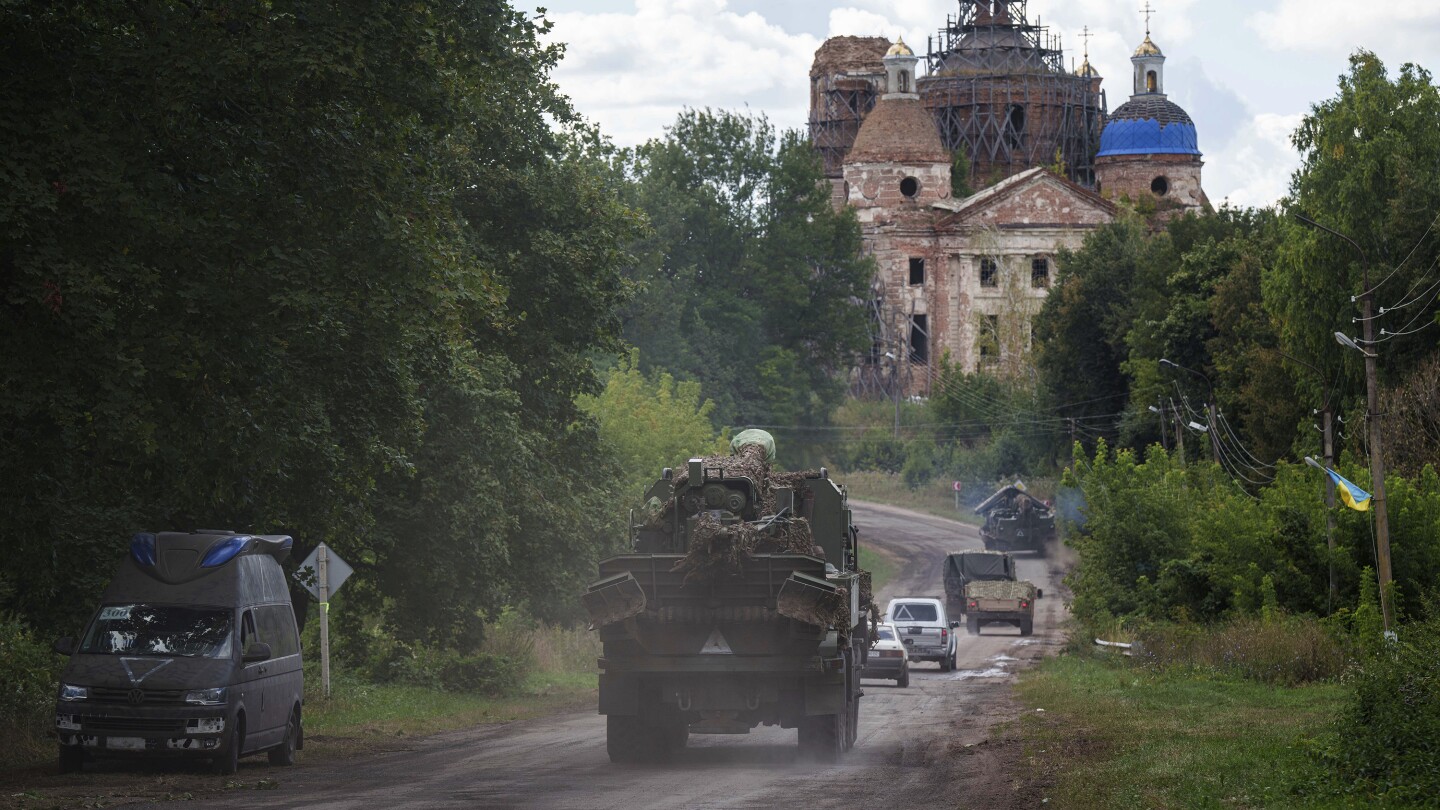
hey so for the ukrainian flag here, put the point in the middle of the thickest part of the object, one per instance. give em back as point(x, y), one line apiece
point(1353, 496)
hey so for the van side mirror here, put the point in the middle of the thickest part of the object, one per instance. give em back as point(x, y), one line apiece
point(259, 651)
point(954, 625)
point(64, 646)
point(1039, 593)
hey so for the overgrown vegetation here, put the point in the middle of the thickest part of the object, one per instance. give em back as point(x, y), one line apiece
point(1114, 736)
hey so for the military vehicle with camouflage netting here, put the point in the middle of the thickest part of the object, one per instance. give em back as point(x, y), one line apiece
point(1016, 521)
point(741, 604)
point(982, 586)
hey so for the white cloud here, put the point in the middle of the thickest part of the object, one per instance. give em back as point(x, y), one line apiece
point(1255, 168)
point(1329, 25)
point(632, 72)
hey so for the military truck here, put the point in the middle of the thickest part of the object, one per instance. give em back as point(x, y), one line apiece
point(1016, 521)
point(740, 605)
point(982, 586)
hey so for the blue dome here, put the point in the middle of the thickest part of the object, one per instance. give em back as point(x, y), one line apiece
point(1149, 126)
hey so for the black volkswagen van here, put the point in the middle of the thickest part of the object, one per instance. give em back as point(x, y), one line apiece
point(192, 652)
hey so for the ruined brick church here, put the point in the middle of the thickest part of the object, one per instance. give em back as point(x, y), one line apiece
point(965, 274)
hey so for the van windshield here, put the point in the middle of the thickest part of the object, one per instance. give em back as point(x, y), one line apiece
point(191, 632)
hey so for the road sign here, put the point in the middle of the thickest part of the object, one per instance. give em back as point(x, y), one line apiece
point(309, 572)
point(322, 574)
point(955, 486)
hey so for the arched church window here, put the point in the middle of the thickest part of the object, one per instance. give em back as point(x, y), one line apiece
point(904, 81)
point(1152, 82)
point(1015, 126)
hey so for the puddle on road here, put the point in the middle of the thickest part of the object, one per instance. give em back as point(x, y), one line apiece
point(993, 672)
point(1003, 658)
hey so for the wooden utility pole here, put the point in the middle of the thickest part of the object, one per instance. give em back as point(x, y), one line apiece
point(1179, 432)
point(1328, 486)
point(1214, 432)
point(1377, 455)
point(1372, 413)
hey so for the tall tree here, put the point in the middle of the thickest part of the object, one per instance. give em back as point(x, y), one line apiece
point(1368, 171)
point(299, 267)
point(752, 279)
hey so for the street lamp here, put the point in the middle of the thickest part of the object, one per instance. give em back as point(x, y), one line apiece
point(1372, 408)
point(1345, 340)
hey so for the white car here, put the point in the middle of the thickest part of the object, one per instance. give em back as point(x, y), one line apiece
point(923, 628)
point(887, 658)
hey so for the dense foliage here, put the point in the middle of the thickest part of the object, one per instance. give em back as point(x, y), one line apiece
point(750, 279)
point(297, 267)
point(649, 423)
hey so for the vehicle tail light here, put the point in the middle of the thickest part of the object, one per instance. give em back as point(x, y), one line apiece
point(891, 654)
point(944, 634)
point(1024, 604)
point(974, 604)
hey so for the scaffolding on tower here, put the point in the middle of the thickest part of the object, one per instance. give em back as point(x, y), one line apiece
point(998, 87)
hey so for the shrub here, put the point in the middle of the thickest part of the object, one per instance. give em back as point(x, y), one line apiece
point(1387, 742)
point(434, 668)
point(1286, 651)
point(28, 674)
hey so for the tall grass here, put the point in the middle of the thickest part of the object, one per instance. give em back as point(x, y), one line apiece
point(1282, 650)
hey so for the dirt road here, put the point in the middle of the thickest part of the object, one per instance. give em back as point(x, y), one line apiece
point(912, 750)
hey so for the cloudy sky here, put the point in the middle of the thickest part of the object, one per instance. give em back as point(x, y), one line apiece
point(1246, 71)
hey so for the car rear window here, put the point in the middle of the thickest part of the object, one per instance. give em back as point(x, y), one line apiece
point(915, 612)
point(885, 634)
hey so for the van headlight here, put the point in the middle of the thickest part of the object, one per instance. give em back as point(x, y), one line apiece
point(206, 697)
point(70, 692)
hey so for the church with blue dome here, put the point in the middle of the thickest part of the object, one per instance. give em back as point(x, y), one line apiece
point(1149, 145)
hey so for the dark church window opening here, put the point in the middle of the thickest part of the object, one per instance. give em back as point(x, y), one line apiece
point(1160, 186)
point(989, 273)
point(1040, 273)
point(919, 339)
point(917, 272)
point(910, 187)
point(1015, 126)
point(1152, 82)
point(904, 81)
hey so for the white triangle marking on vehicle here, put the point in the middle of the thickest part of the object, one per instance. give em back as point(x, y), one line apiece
point(130, 669)
point(716, 645)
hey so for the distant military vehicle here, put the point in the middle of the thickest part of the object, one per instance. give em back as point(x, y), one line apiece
point(1016, 521)
point(741, 605)
point(982, 586)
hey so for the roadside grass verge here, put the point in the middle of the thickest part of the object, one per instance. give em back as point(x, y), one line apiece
point(880, 565)
point(1112, 735)
point(935, 498)
point(358, 714)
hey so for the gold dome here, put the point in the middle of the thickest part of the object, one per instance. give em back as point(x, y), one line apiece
point(899, 49)
point(1087, 70)
point(1148, 48)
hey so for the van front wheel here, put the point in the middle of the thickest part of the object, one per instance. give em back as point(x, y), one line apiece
point(284, 753)
point(227, 759)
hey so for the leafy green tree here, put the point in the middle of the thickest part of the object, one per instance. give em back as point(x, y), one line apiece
point(1368, 171)
point(1082, 330)
point(750, 276)
point(651, 423)
point(297, 267)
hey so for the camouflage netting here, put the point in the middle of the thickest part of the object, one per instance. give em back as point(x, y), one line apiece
point(717, 550)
